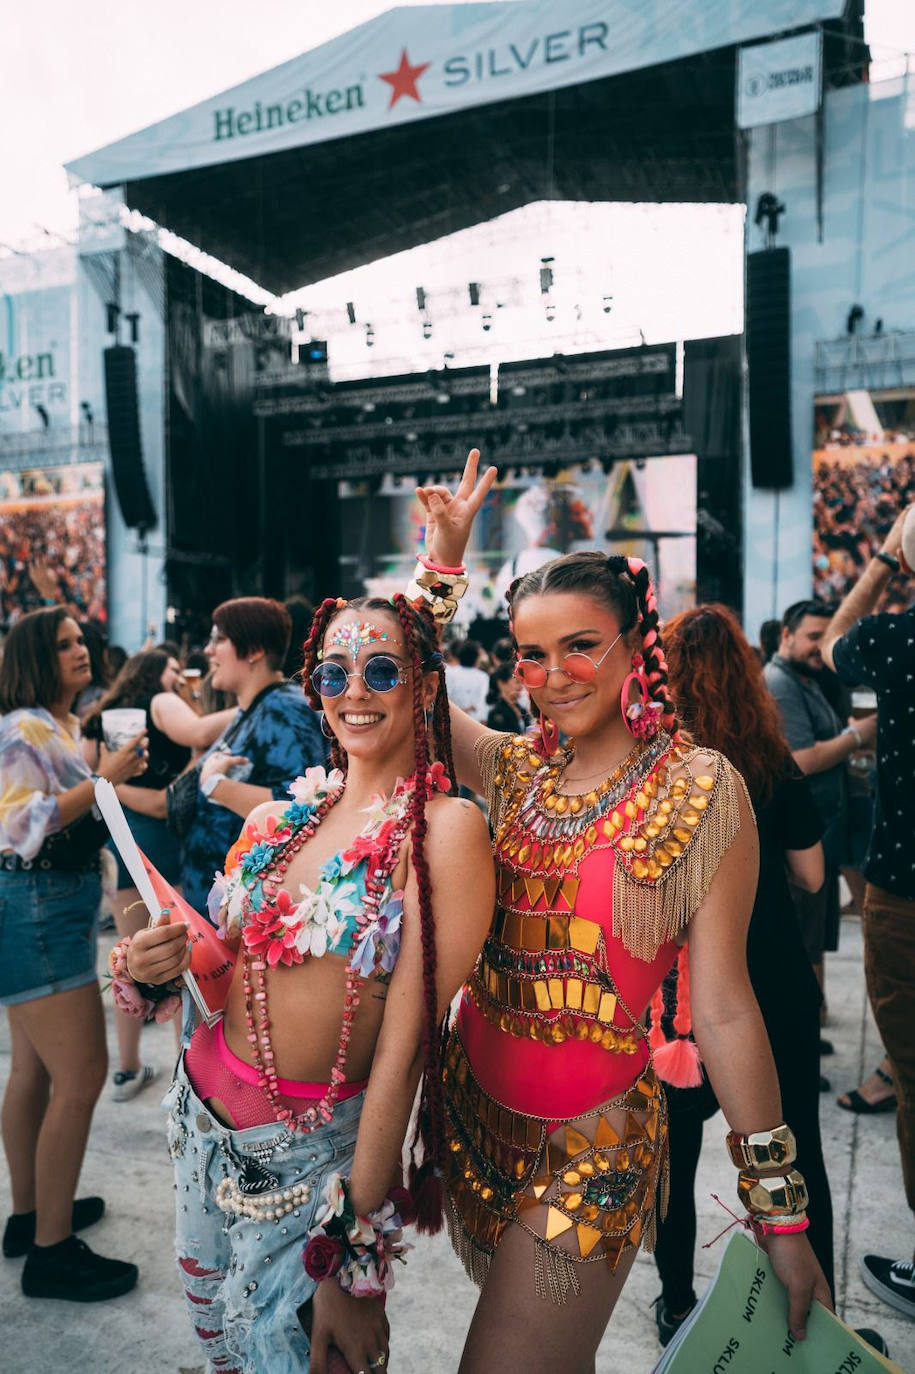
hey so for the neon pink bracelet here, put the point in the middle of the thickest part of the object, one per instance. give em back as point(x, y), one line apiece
point(772, 1228)
point(440, 567)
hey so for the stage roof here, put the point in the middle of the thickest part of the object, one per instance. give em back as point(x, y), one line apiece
point(426, 120)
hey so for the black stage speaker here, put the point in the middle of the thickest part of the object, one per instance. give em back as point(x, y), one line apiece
point(124, 438)
point(769, 367)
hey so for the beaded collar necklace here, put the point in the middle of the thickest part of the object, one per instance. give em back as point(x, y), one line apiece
point(547, 814)
point(379, 844)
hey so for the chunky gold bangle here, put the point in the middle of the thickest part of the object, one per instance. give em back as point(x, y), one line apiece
point(440, 591)
point(777, 1196)
point(762, 1149)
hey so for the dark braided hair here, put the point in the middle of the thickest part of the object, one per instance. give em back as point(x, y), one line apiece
point(421, 646)
point(622, 584)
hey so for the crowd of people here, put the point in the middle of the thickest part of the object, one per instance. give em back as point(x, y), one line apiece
point(49, 550)
point(854, 506)
point(605, 914)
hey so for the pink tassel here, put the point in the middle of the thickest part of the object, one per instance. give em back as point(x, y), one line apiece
point(678, 1063)
point(428, 1198)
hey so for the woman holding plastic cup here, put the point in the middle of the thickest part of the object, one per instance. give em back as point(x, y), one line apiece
point(144, 697)
point(49, 894)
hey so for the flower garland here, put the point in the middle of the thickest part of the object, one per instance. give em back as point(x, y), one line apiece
point(358, 1251)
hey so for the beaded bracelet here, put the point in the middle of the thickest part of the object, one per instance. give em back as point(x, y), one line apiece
point(355, 1250)
point(459, 571)
point(152, 1001)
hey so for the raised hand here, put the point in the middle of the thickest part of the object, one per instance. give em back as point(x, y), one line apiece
point(450, 515)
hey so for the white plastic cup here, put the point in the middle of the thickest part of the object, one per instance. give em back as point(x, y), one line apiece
point(121, 724)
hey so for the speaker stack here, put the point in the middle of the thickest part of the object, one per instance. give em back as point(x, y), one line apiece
point(769, 365)
point(124, 439)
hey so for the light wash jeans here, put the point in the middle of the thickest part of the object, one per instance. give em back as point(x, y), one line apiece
point(243, 1279)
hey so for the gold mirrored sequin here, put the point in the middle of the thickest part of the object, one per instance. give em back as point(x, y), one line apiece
point(586, 1169)
point(690, 816)
point(654, 869)
point(523, 853)
point(631, 810)
point(609, 830)
point(590, 1211)
point(651, 830)
point(662, 857)
point(556, 1223)
point(640, 868)
point(705, 782)
point(588, 1236)
point(592, 799)
point(641, 800)
point(534, 760)
point(616, 820)
point(498, 780)
point(575, 1142)
point(666, 806)
point(550, 801)
point(626, 843)
point(575, 805)
point(591, 834)
point(562, 805)
point(572, 1201)
point(698, 802)
point(605, 1136)
point(640, 845)
point(684, 836)
point(571, 1178)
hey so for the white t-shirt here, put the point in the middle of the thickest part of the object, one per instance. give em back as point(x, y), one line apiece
point(468, 688)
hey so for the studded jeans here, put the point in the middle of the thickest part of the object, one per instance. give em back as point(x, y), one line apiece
point(242, 1275)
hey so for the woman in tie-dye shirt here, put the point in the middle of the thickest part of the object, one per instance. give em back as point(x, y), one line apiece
point(49, 894)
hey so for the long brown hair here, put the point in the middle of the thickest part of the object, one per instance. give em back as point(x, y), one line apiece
point(29, 669)
point(717, 682)
point(421, 644)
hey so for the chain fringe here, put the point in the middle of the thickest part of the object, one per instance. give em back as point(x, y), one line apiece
point(648, 914)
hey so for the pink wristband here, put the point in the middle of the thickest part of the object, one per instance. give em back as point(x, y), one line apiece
point(772, 1228)
point(440, 567)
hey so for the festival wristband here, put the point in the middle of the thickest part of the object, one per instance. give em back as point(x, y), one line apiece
point(460, 571)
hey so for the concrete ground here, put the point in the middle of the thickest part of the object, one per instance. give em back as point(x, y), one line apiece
point(146, 1332)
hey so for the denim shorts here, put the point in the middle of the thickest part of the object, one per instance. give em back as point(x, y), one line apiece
point(48, 923)
point(243, 1278)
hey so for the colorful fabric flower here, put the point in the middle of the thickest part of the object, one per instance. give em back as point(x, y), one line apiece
point(379, 943)
point(437, 780)
point(315, 784)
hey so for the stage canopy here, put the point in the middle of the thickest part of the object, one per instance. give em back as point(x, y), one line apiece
point(426, 120)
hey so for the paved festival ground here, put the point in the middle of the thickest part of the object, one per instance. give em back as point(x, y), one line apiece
point(146, 1332)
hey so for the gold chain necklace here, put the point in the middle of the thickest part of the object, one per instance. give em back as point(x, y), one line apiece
point(613, 777)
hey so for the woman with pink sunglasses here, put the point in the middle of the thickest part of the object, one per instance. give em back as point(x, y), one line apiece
point(615, 853)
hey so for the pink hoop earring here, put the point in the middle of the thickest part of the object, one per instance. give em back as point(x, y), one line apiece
point(642, 717)
point(549, 735)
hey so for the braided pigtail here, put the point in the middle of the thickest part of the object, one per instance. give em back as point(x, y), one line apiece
point(651, 650)
point(675, 1053)
point(325, 613)
point(425, 1179)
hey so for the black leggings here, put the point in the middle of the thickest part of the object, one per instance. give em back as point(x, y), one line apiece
point(796, 1054)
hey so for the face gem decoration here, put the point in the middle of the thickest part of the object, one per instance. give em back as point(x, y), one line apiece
point(354, 636)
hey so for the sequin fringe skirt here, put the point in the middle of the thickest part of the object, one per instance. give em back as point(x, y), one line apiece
point(584, 1188)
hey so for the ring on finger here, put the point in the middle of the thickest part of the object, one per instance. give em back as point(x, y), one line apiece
point(380, 1362)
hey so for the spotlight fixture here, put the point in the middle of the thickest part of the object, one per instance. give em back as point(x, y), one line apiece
point(550, 311)
point(546, 275)
point(427, 329)
point(86, 408)
point(133, 319)
point(350, 312)
point(369, 336)
point(112, 315)
point(768, 211)
point(878, 326)
point(420, 299)
point(855, 316)
point(300, 319)
point(487, 323)
point(473, 289)
point(608, 304)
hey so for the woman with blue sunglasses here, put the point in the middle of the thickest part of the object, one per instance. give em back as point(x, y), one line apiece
point(353, 931)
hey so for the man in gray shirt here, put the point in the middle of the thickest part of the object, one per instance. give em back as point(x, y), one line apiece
point(821, 746)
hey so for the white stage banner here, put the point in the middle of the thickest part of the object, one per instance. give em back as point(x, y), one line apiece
point(416, 63)
point(781, 80)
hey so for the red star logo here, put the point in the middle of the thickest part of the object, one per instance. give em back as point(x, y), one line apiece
point(403, 81)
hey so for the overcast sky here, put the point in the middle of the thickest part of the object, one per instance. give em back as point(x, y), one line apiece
point(75, 76)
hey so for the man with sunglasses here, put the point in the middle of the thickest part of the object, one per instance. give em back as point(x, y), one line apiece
point(879, 650)
point(821, 746)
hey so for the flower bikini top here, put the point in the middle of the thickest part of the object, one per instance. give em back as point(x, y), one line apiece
point(353, 911)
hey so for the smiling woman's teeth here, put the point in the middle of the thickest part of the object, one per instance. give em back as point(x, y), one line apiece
point(361, 719)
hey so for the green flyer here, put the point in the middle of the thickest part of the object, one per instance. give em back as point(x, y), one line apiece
point(740, 1326)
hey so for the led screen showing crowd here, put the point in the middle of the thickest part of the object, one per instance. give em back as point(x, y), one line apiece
point(863, 476)
point(52, 539)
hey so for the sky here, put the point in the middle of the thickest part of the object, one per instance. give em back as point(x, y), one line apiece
point(92, 72)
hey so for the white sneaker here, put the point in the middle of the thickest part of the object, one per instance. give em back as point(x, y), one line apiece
point(129, 1082)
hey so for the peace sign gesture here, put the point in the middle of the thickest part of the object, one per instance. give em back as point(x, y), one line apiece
point(450, 515)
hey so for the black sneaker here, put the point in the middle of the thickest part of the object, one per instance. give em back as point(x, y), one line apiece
point(668, 1325)
point(891, 1280)
point(874, 1339)
point(71, 1270)
point(20, 1227)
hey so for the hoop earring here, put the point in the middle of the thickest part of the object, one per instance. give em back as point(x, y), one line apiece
point(549, 735)
point(327, 733)
point(642, 717)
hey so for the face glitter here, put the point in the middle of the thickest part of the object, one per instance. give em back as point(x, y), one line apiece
point(355, 636)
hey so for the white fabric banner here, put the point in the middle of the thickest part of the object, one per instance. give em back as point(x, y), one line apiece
point(781, 80)
point(414, 63)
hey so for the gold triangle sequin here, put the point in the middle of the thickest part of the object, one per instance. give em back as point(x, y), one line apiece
point(588, 1236)
point(534, 889)
point(556, 1223)
point(576, 1142)
point(551, 887)
point(539, 1186)
point(634, 1132)
point(605, 1136)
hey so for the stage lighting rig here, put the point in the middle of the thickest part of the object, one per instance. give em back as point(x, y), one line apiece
point(473, 290)
point(546, 275)
point(855, 316)
point(350, 312)
point(369, 336)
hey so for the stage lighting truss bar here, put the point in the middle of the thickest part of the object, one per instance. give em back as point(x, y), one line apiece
point(483, 420)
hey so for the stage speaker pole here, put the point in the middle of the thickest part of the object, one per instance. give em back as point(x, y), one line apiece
point(768, 332)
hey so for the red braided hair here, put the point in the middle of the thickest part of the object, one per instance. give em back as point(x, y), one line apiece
point(421, 646)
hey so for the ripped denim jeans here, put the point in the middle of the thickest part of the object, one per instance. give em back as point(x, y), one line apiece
point(239, 1246)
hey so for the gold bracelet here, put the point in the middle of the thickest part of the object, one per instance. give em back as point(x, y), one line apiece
point(762, 1149)
point(773, 1197)
point(440, 591)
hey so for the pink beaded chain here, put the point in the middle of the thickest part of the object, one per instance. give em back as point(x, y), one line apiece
point(381, 865)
